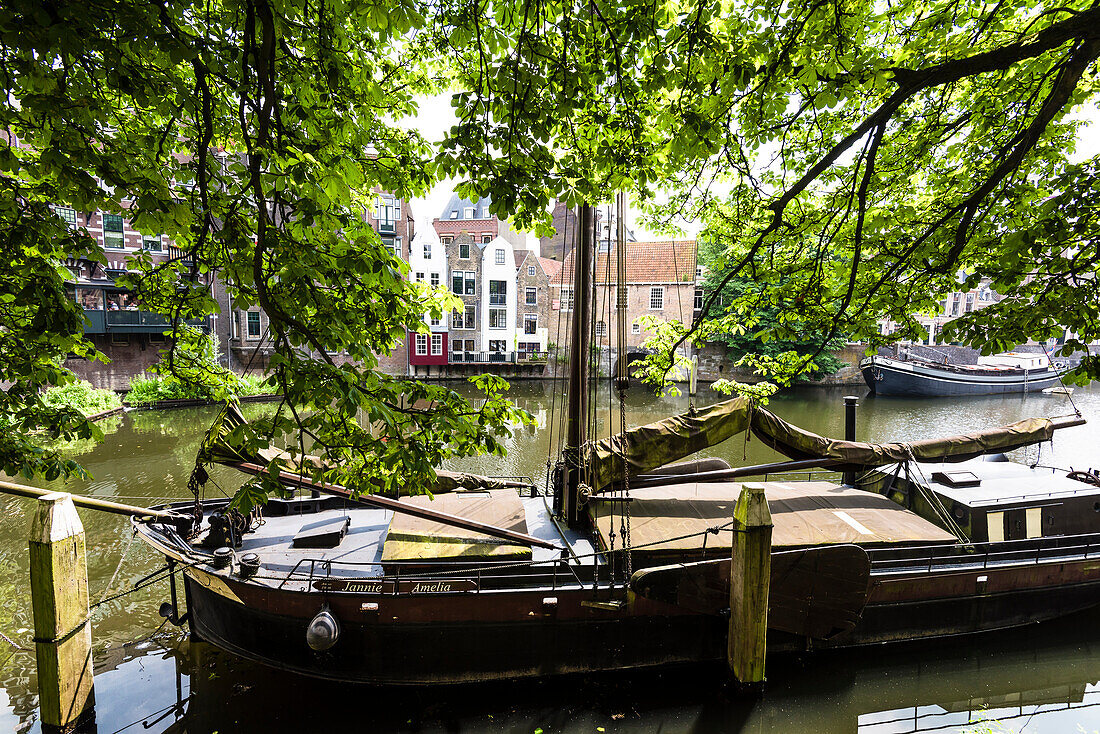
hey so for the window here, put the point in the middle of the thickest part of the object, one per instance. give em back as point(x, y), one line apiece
point(498, 256)
point(393, 244)
point(468, 213)
point(437, 344)
point(532, 296)
point(471, 283)
point(464, 252)
point(454, 214)
point(486, 239)
point(435, 280)
point(446, 240)
point(120, 340)
point(456, 319)
point(433, 321)
point(90, 298)
point(498, 292)
point(699, 272)
point(470, 316)
point(114, 241)
point(636, 329)
point(386, 211)
point(531, 270)
point(530, 323)
point(464, 319)
point(601, 328)
point(421, 344)
point(456, 346)
point(969, 302)
point(498, 318)
point(157, 339)
point(68, 214)
point(151, 244)
point(112, 222)
point(463, 282)
point(657, 298)
point(253, 324)
point(698, 299)
point(567, 298)
point(470, 346)
point(427, 250)
point(498, 346)
point(420, 277)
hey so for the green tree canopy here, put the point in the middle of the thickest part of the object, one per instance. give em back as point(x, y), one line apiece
point(866, 154)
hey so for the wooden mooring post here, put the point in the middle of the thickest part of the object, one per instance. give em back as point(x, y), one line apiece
point(750, 578)
point(59, 599)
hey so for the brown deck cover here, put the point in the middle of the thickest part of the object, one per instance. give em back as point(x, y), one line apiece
point(416, 539)
point(804, 514)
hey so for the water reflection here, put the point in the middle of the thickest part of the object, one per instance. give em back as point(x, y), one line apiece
point(1043, 678)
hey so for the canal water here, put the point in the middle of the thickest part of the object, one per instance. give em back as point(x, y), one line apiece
point(150, 678)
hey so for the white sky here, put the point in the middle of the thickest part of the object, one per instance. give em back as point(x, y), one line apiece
point(436, 117)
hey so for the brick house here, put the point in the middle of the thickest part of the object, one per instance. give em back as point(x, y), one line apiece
point(116, 324)
point(428, 265)
point(660, 282)
point(564, 222)
point(249, 340)
point(533, 301)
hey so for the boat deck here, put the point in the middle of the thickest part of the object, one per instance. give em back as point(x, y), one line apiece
point(361, 552)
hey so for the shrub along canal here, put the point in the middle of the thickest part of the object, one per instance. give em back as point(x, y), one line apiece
point(150, 678)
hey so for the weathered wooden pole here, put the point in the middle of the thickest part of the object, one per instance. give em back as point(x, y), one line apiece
point(59, 599)
point(750, 577)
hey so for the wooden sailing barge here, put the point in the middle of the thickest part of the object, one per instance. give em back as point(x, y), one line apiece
point(624, 562)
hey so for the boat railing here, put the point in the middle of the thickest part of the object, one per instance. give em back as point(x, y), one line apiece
point(985, 554)
point(399, 575)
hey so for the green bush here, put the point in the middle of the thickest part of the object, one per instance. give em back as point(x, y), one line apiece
point(156, 388)
point(81, 396)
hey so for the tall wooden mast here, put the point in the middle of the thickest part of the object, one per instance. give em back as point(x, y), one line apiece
point(576, 434)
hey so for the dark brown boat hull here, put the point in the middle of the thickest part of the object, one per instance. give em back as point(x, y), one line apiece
point(469, 637)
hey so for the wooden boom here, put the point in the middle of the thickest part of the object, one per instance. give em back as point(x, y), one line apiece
point(402, 507)
point(91, 503)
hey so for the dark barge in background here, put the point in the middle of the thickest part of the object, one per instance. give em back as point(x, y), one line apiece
point(918, 377)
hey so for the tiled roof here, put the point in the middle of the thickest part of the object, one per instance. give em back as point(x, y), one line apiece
point(670, 261)
point(550, 267)
point(457, 205)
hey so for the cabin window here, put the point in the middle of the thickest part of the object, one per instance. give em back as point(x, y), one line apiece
point(657, 298)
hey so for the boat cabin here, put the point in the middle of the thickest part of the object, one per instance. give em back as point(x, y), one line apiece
point(991, 499)
point(1016, 360)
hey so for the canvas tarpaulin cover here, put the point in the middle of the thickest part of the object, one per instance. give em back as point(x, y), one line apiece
point(656, 444)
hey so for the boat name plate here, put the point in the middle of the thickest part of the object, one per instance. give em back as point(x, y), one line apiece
point(396, 586)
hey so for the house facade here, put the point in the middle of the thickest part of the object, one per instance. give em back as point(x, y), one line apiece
point(660, 282)
point(428, 350)
point(462, 216)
